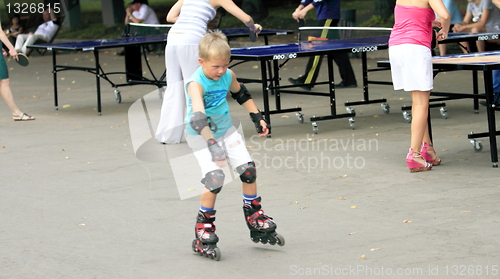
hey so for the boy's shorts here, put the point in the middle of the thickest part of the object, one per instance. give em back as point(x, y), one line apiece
point(411, 67)
point(232, 143)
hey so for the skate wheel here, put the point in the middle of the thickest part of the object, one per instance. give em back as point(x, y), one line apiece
point(195, 248)
point(280, 240)
point(216, 254)
point(118, 96)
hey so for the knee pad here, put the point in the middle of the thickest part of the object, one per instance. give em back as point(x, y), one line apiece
point(248, 173)
point(214, 181)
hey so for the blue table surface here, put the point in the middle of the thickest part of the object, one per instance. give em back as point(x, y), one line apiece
point(310, 46)
point(117, 42)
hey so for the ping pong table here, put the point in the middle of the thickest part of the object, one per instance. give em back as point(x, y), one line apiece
point(133, 58)
point(480, 61)
point(443, 96)
point(270, 78)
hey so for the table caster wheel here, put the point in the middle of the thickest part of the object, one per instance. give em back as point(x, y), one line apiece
point(350, 110)
point(385, 108)
point(478, 146)
point(315, 127)
point(444, 112)
point(300, 117)
point(118, 96)
point(351, 123)
point(407, 116)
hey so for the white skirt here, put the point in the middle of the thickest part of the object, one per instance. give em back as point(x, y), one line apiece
point(411, 67)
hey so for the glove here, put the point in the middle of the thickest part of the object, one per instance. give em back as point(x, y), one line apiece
point(217, 151)
point(256, 118)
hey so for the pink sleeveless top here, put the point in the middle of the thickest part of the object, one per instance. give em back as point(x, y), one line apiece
point(412, 25)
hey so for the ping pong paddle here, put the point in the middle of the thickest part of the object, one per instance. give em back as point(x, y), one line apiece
point(434, 42)
point(302, 22)
point(22, 59)
point(253, 36)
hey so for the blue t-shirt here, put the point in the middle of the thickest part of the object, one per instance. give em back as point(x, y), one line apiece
point(455, 15)
point(215, 102)
point(325, 9)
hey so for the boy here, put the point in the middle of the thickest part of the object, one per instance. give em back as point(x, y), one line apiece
point(211, 135)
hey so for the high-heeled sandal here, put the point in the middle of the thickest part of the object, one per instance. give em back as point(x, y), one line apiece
point(424, 151)
point(415, 166)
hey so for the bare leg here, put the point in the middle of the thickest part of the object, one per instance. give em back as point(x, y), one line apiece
point(419, 128)
point(442, 49)
point(208, 199)
point(249, 189)
point(7, 96)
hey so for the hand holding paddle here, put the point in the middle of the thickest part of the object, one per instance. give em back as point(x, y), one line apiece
point(255, 32)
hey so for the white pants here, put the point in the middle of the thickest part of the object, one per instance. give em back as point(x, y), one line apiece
point(181, 62)
point(231, 142)
point(24, 40)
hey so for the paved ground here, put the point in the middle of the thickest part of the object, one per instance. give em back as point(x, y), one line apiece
point(77, 203)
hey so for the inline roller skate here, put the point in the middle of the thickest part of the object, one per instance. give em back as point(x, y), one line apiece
point(206, 240)
point(262, 227)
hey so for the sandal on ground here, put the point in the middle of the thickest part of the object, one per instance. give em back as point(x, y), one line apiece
point(424, 151)
point(415, 166)
point(22, 117)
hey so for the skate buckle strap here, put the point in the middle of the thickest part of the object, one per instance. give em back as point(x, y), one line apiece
point(205, 226)
point(259, 219)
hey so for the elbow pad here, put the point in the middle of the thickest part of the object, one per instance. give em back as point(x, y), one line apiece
point(241, 96)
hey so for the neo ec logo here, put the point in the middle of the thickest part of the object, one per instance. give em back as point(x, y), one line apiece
point(285, 56)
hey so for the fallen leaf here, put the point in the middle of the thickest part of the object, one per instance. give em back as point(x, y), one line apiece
point(362, 257)
point(191, 189)
point(285, 116)
point(341, 198)
point(465, 211)
point(345, 175)
point(66, 106)
point(90, 163)
point(353, 207)
point(63, 149)
point(407, 221)
point(375, 249)
point(352, 233)
point(304, 207)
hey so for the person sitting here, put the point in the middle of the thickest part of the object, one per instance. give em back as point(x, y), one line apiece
point(139, 12)
point(14, 29)
point(44, 32)
point(481, 16)
point(455, 16)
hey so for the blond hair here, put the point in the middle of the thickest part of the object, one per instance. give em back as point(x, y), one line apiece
point(214, 46)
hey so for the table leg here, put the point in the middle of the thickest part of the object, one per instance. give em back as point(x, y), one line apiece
point(265, 93)
point(54, 75)
point(490, 110)
point(98, 80)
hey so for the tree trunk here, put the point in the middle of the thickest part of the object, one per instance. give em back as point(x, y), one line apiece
point(384, 8)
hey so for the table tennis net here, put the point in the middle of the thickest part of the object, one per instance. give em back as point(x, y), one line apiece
point(319, 34)
point(140, 29)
